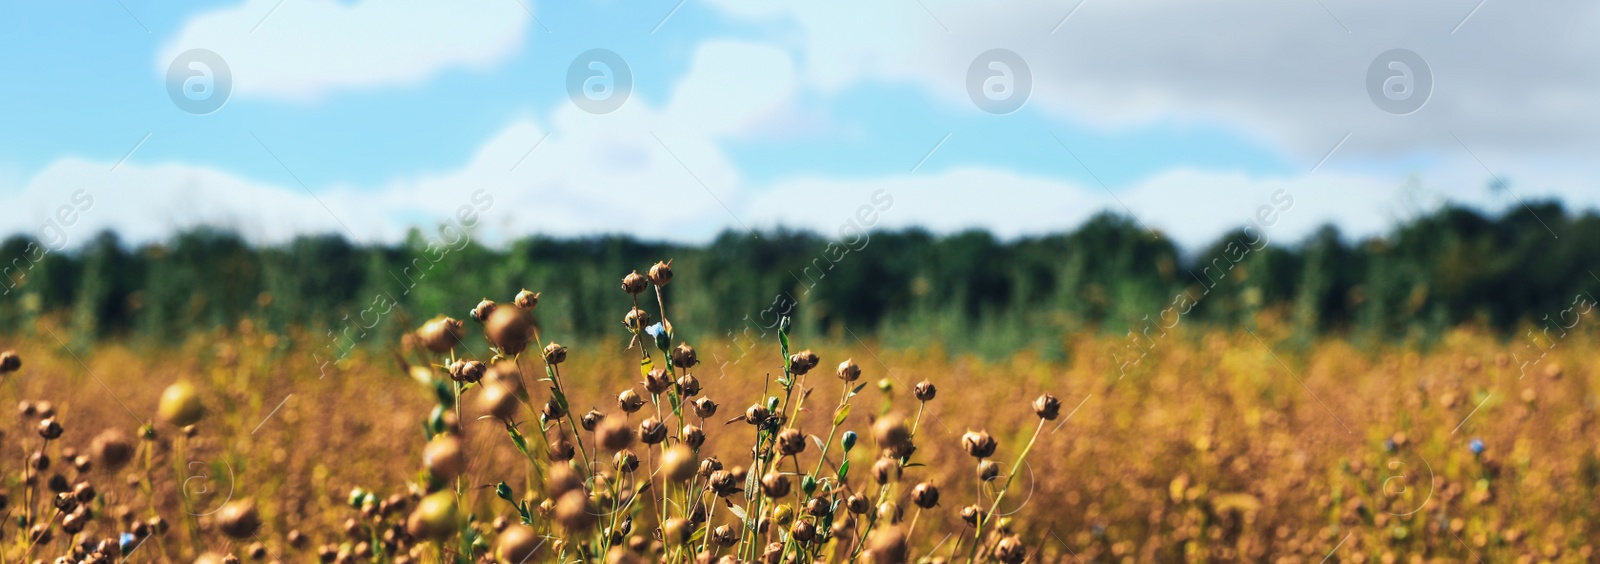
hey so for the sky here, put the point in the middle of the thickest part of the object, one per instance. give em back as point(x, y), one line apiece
point(679, 119)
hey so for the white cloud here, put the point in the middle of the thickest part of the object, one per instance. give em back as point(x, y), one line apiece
point(304, 49)
point(1287, 73)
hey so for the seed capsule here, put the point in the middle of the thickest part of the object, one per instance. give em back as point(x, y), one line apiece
point(470, 371)
point(803, 531)
point(656, 381)
point(498, 401)
point(802, 362)
point(49, 429)
point(591, 419)
point(678, 463)
point(441, 334)
point(614, 434)
point(988, 470)
point(555, 354)
point(1010, 550)
point(443, 457)
point(693, 436)
point(636, 320)
point(818, 507)
point(892, 434)
point(629, 401)
point(526, 300)
point(651, 431)
point(482, 311)
point(625, 461)
point(858, 504)
point(925, 495)
point(971, 514)
point(924, 391)
point(434, 518)
point(848, 371)
point(684, 356)
point(1047, 407)
point(509, 329)
point(704, 407)
point(708, 466)
point(978, 444)
point(775, 485)
point(10, 362)
point(724, 535)
point(180, 404)
point(791, 442)
point(661, 273)
point(517, 543)
point(688, 385)
point(238, 519)
point(756, 414)
point(634, 283)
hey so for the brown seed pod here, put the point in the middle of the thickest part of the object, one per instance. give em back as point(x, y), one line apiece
point(636, 320)
point(238, 519)
point(629, 401)
point(651, 431)
point(26, 409)
point(657, 382)
point(803, 530)
point(892, 433)
point(553, 410)
point(555, 353)
point(724, 535)
point(443, 457)
point(925, 495)
point(727, 482)
point(498, 401)
point(1047, 407)
point(704, 407)
point(661, 273)
point(526, 300)
point(481, 312)
point(591, 419)
point(693, 436)
point(791, 442)
point(1010, 550)
point(576, 512)
point(678, 463)
point(924, 391)
point(683, 356)
point(988, 470)
point(888, 545)
point(469, 371)
point(634, 283)
point(10, 362)
point(756, 414)
point(708, 465)
point(818, 507)
point(45, 409)
point(517, 544)
point(509, 329)
point(561, 450)
point(971, 514)
point(50, 429)
point(802, 362)
point(688, 386)
point(858, 504)
point(775, 485)
point(84, 491)
point(614, 434)
point(625, 461)
point(849, 371)
point(978, 444)
point(562, 480)
point(441, 334)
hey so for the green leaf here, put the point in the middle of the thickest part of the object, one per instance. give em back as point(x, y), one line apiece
point(518, 439)
point(840, 414)
point(858, 389)
point(560, 398)
point(844, 470)
point(737, 511)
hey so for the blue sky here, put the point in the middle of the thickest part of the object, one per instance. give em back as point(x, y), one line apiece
point(368, 118)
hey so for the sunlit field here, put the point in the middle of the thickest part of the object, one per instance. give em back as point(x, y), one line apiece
point(1248, 445)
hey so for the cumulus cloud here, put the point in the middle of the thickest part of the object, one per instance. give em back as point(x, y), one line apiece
point(1288, 73)
point(308, 48)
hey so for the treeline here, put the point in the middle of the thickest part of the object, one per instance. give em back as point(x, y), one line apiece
point(969, 291)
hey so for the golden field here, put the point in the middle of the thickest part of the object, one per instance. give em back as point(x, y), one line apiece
point(1217, 446)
